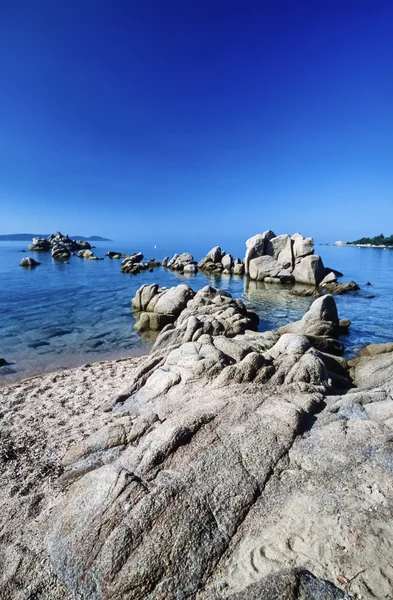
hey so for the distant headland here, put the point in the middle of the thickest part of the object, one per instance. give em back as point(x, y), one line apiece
point(23, 237)
point(378, 241)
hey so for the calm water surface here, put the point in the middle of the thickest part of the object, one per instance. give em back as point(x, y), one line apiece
point(58, 315)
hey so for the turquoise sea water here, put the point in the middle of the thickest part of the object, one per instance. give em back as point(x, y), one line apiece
point(58, 315)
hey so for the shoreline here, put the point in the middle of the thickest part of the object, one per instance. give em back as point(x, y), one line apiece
point(14, 378)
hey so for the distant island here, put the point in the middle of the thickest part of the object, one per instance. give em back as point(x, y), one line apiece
point(378, 240)
point(27, 237)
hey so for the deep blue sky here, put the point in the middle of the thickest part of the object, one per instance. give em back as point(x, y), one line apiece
point(170, 119)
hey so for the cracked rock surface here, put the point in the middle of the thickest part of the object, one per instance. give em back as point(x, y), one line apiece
point(230, 464)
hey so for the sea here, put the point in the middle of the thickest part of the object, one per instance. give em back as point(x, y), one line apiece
point(59, 316)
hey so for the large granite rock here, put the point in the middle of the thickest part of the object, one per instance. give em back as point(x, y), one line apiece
point(320, 320)
point(257, 246)
point(179, 261)
point(282, 259)
point(309, 270)
point(230, 469)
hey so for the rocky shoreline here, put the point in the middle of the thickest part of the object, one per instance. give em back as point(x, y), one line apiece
point(228, 463)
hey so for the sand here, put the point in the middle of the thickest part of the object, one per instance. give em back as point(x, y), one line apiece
point(40, 418)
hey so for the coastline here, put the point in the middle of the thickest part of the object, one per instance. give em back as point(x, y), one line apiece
point(72, 363)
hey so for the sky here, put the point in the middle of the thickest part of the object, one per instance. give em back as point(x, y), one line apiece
point(209, 119)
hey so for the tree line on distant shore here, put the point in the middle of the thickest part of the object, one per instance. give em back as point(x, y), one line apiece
point(378, 240)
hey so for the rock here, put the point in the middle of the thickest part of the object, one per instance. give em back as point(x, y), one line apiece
point(272, 280)
point(215, 254)
point(60, 252)
point(266, 266)
point(151, 321)
point(329, 278)
point(213, 312)
point(376, 349)
point(29, 262)
point(289, 259)
point(133, 264)
point(213, 260)
point(256, 246)
point(302, 246)
point(88, 255)
point(226, 469)
point(305, 292)
point(115, 255)
point(310, 270)
point(227, 262)
point(165, 261)
point(39, 245)
point(166, 304)
point(320, 320)
point(190, 268)
point(179, 261)
point(280, 247)
point(3, 362)
point(291, 584)
point(238, 269)
point(341, 288)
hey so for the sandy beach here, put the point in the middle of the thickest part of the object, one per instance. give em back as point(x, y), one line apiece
point(40, 418)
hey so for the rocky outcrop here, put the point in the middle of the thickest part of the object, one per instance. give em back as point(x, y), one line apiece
point(60, 251)
point(39, 245)
point(155, 307)
point(115, 255)
point(230, 467)
point(338, 289)
point(218, 261)
point(181, 262)
point(58, 239)
point(29, 262)
point(88, 255)
point(283, 259)
point(320, 320)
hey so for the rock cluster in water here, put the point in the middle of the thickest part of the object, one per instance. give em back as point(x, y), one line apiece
point(284, 259)
point(133, 264)
point(61, 246)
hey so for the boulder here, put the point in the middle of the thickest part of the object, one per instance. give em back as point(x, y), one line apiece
point(266, 266)
point(302, 246)
point(340, 288)
point(165, 261)
point(280, 247)
point(238, 269)
point(179, 261)
point(256, 246)
point(213, 312)
point(60, 251)
point(29, 262)
point(3, 362)
point(227, 262)
point(190, 268)
point(213, 259)
point(151, 298)
point(115, 255)
point(39, 245)
point(320, 320)
point(329, 278)
point(309, 270)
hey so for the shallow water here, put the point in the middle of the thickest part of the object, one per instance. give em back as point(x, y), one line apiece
point(59, 315)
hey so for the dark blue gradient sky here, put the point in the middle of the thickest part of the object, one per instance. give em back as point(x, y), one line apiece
point(168, 119)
